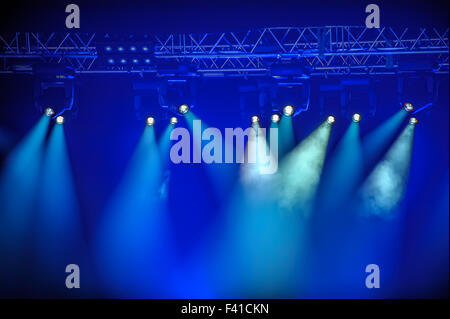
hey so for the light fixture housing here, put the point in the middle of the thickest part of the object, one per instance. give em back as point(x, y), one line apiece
point(173, 120)
point(413, 120)
point(183, 109)
point(255, 119)
point(331, 119)
point(288, 110)
point(49, 112)
point(408, 106)
point(275, 118)
point(60, 119)
point(356, 117)
point(150, 120)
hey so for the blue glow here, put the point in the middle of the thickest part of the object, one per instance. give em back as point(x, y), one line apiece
point(18, 194)
point(385, 187)
point(344, 170)
point(58, 227)
point(134, 226)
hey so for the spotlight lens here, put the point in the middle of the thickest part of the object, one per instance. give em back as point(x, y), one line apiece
point(150, 120)
point(255, 119)
point(408, 106)
point(356, 117)
point(173, 120)
point(183, 109)
point(60, 120)
point(413, 120)
point(288, 110)
point(275, 118)
point(49, 111)
point(331, 119)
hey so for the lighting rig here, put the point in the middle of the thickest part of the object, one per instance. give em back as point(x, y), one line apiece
point(54, 90)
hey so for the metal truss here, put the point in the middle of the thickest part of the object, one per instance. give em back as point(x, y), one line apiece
point(325, 51)
point(21, 50)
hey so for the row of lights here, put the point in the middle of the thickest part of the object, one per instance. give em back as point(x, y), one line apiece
point(124, 61)
point(151, 120)
point(275, 118)
point(183, 109)
point(132, 48)
point(288, 111)
point(330, 119)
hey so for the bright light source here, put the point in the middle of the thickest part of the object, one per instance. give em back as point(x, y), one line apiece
point(150, 120)
point(356, 117)
point(408, 106)
point(173, 120)
point(111, 61)
point(147, 61)
point(108, 49)
point(183, 109)
point(413, 120)
point(135, 61)
point(145, 48)
point(288, 110)
point(120, 49)
point(255, 119)
point(275, 118)
point(49, 112)
point(133, 48)
point(123, 61)
point(331, 119)
point(60, 119)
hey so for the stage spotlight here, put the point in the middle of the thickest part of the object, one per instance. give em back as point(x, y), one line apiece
point(123, 61)
point(135, 61)
point(150, 120)
point(356, 117)
point(145, 49)
point(108, 49)
point(111, 61)
point(49, 112)
point(413, 121)
point(255, 119)
point(60, 119)
point(408, 106)
point(147, 61)
point(288, 110)
point(120, 49)
point(173, 120)
point(133, 48)
point(275, 118)
point(183, 109)
point(331, 119)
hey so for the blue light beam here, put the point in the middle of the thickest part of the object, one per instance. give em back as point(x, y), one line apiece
point(386, 185)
